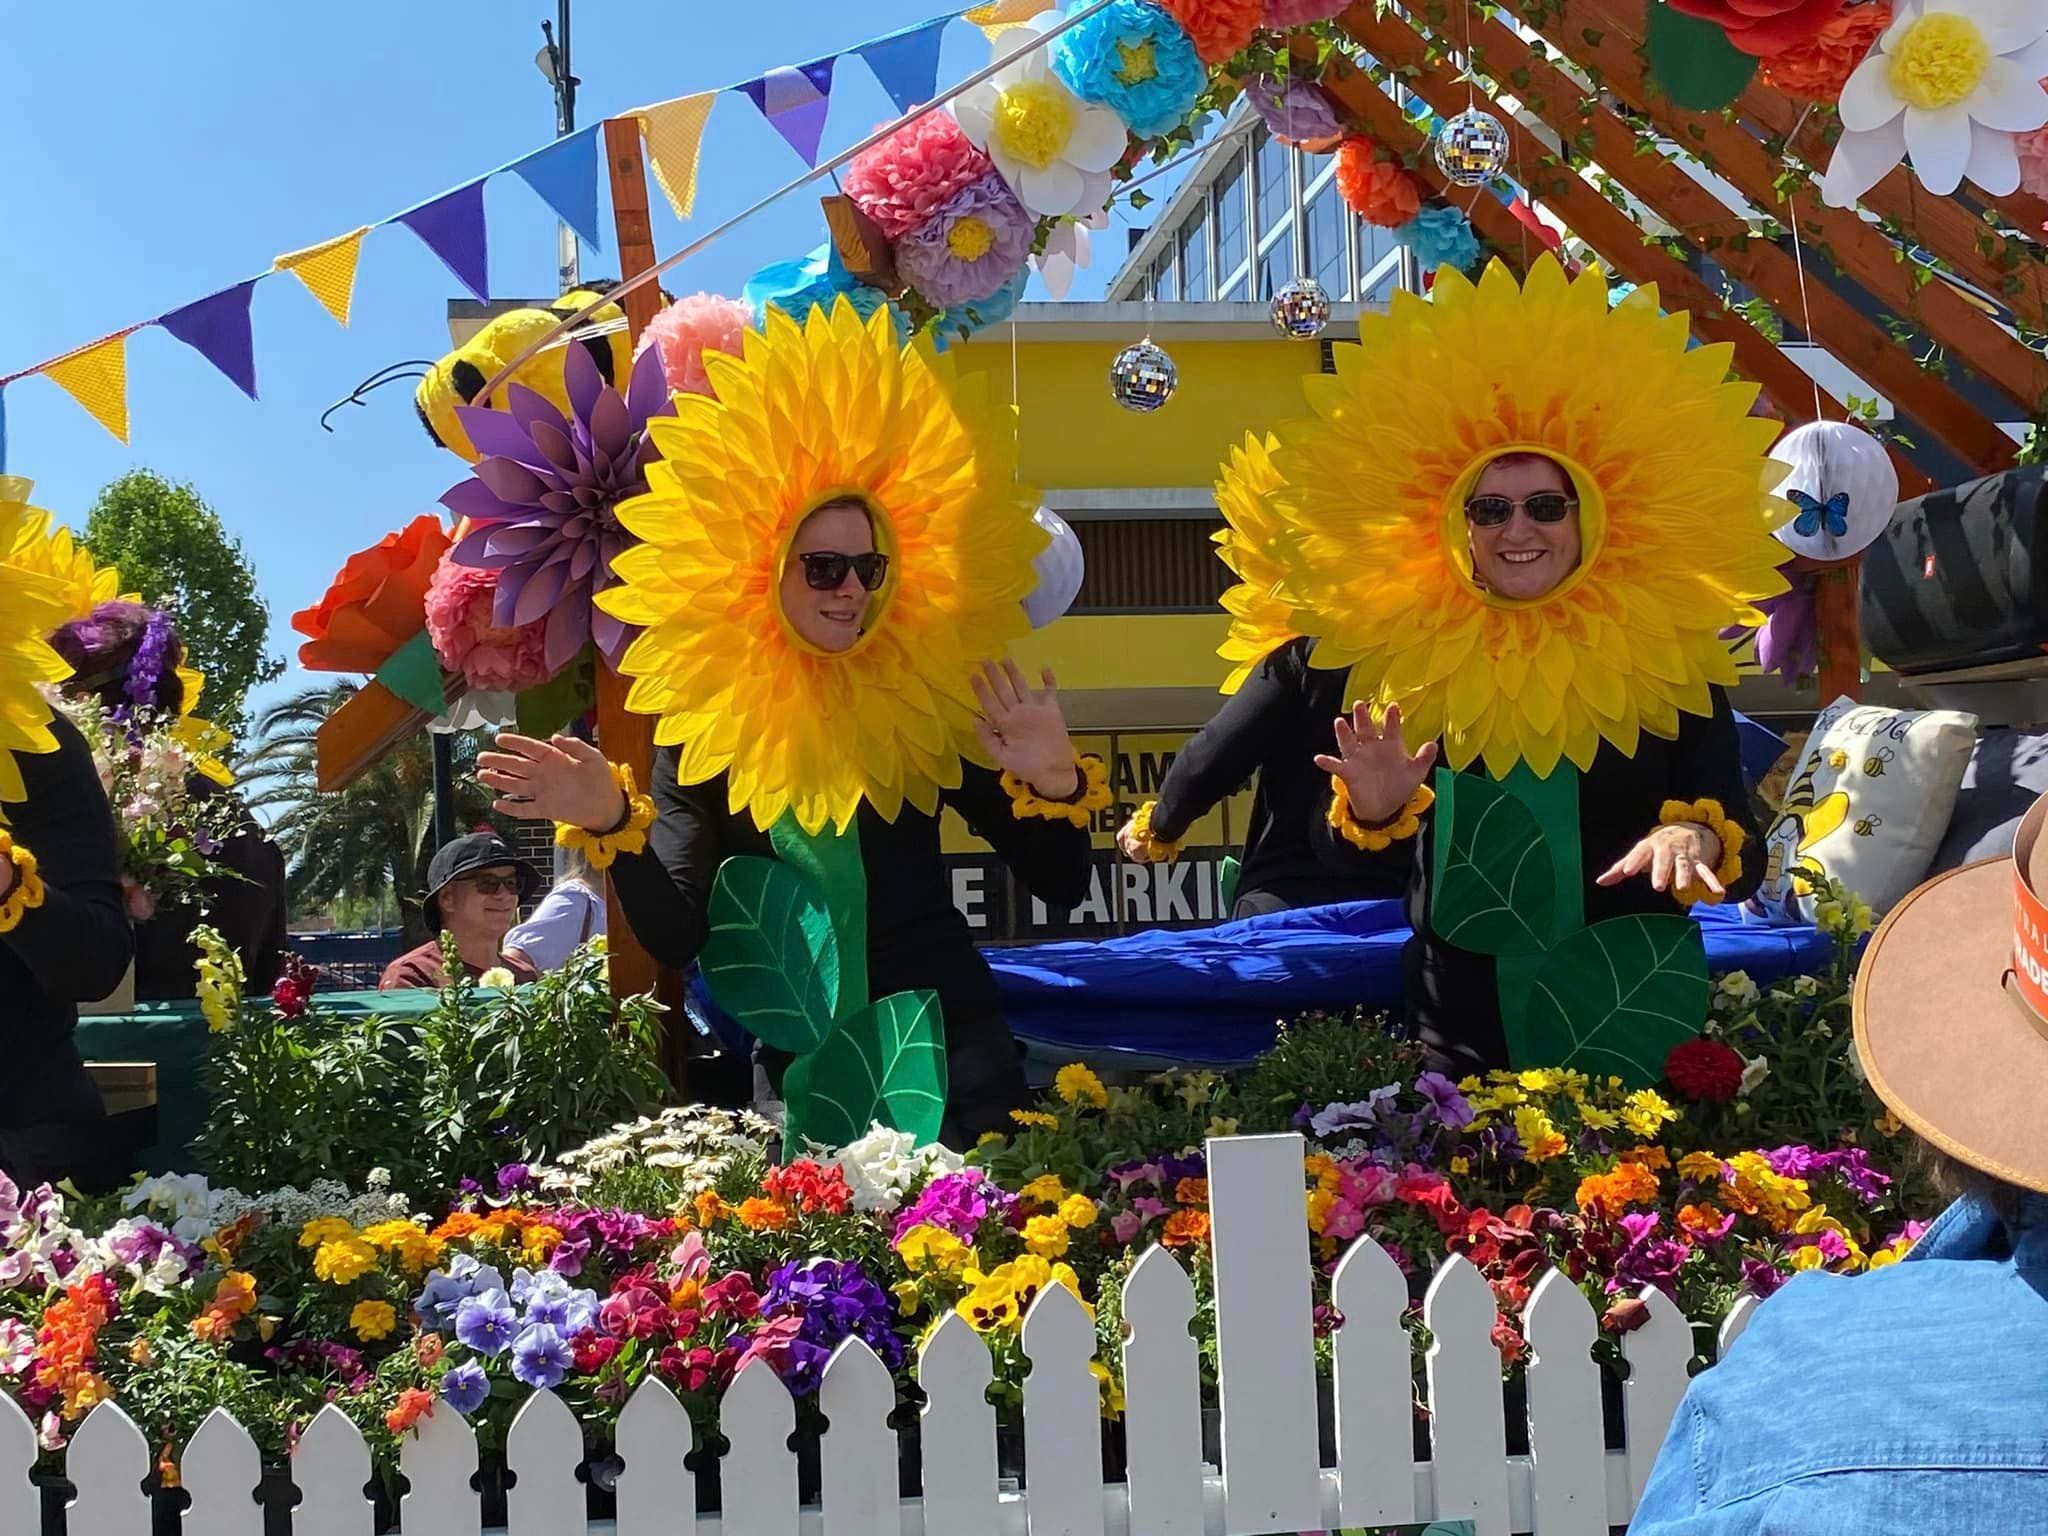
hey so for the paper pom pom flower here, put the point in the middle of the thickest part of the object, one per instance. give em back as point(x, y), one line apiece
point(1953, 82)
point(376, 604)
point(1283, 15)
point(468, 640)
point(32, 603)
point(1219, 29)
point(2033, 152)
point(1816, 69)
point(1763, 27)
point(906, 178)
point(1054, 149)
point(1261, 614)
point(687, 329)
point(1379, 190)
point(1675, 517)
point(1705, 1070)
point(541, 504)
point(814, 281)
point(1133, 58)
point(963, 320)
point(971, 247)
point(46, 547)
point(1295, 111)
point(1440, 236)
point(812, 411)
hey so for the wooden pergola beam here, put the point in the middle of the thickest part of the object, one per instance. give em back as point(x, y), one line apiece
point(1690, 208)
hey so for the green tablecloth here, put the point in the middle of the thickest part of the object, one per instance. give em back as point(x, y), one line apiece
point(175, 1037)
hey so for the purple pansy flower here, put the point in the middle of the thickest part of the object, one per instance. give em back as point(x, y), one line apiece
point(1444, 1098)
point(541, 1357)
point(465, 1387)
point(486, 1322)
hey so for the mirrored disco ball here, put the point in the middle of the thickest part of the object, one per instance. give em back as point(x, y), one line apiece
point(1301, 309)
point(1472, 148)
point(1143, 377)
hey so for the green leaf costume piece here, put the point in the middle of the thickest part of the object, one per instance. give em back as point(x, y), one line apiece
point(831, 861)
point(886, 1063)
point(1616, 997)
point(1495, 888)
point(1692, 60)
point(770, 958)
point(413, 672)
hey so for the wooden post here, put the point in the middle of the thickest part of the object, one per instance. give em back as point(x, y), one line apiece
point(1835, 598)
point(625, 736)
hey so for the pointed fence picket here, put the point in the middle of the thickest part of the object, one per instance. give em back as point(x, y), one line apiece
point(1569, 1484)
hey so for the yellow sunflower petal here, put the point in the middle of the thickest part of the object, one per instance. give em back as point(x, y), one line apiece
point(35, 598)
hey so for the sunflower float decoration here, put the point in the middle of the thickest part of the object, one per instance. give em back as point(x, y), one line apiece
point(1262, 617)
point(46, 547)
point(32, 603)
point(1673, 480)
point(812, 411)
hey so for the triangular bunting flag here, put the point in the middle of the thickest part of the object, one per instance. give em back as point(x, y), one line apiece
point(328, 270)
point(674, 133)
point(217, 328)
point(795, 99)
point(452, 227)
point(907, 63)
point(1001, 15)
point(565, 176)
point(97, 378)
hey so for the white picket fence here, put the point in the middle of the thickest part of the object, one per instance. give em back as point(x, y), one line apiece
point(1569, 1484)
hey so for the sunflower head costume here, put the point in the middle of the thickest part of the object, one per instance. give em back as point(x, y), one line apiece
point(32, 603)
point(1360, 507)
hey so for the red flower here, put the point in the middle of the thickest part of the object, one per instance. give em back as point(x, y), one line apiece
point(594, 1351)
point(377, 602)
point(1378, 189)
point(1508, 1341)
point(734, 1296)
point(289, 996)
point(1704, 1070)
point(634, 1313)
point(810, 1187)
point(1763, 27)
point(1817, 69)
point(690, 1369)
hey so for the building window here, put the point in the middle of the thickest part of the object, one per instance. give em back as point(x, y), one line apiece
point(1231, 249)
point(1238, 289)
point(1326, 254)
point(1163, 278)
point(1149, 565)
point(1276, 264)
point(1276, 184)
point(1194, 257)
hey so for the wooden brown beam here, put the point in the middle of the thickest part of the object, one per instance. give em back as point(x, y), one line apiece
point(1679, 200)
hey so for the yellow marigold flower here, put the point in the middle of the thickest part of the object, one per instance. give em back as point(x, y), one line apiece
point(1645, 1113)
point(541, 1240)
point(1319, 1203)
point(324, 1229)
point(409, 1243)
point(373, 1320)
point(1700, 1167)
point(757, 1213)
point(1046, 1236)
point(1035, 1118)
point(344, 1260)
point(925, 1246)
point(1540, 1139)
point(1076, 1084)
point(1046, 1189)
point(1655, 1158)
point(1077, 1211)
point(1317, 1165)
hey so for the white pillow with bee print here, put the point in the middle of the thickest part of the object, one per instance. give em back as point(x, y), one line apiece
point(1867, 806)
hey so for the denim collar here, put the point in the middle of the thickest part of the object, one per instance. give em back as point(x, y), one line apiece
point(1971, 1229)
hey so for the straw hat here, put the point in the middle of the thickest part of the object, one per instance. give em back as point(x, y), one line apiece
point(1952, 1010)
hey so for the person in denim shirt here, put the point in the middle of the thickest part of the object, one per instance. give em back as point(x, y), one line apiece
point(1913, 1398)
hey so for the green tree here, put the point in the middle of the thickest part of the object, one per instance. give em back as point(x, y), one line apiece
point(171, 547)
point(369, 842)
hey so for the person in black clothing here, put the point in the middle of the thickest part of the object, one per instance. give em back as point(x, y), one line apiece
point(1273, 726)
point(64, 939)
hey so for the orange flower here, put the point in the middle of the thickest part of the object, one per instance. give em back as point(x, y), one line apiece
point(84, 1392)
point(710, 1208)
point(413, 1405)
point(1192, 1191)
point(236, 1295)
point(458, 1225)
point(1629, 1184)
point(687, 1294)
point(213, 1327)
point(1817, 69)
point(1219, 29)
point(1376, 186)
point(758, 1214)
point(1702, 1221)
point(1185, 1227)
point(500, 1229)
point(428, 1349)
point(376, 604)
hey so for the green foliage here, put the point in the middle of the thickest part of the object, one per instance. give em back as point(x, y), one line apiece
point(171, 547)
point(1324, 1058)
point(887, 1063)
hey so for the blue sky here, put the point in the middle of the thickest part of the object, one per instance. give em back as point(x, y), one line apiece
point(150, 158)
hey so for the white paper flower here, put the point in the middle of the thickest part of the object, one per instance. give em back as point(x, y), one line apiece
point(1067, 252)
point(1054, 149)
point(1951, 82)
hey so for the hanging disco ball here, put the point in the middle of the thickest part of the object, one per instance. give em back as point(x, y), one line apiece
point(1301, 309)
point(1143, 377)
point(1472, 148)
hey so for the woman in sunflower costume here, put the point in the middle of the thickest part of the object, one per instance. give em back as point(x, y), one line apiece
point(64, 933)
point(833, 548)
point(1520, 518)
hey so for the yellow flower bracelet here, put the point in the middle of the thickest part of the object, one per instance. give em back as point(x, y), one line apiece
point(28, 885)
point(1158, 850)
point(629, 836)
point(1372, 838)
point(1026, 802)
point(1708, 814)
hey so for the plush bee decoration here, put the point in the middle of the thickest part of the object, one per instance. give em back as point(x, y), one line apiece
point(460, 377)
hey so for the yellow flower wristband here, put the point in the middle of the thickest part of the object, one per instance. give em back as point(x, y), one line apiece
point(630, 836)
point(1026, 802)
point(1708, 814)
point(1157, 848)
point(28, 885)
point(1374, 839)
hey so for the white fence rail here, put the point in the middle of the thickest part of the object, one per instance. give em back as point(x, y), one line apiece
point(1569, 1485)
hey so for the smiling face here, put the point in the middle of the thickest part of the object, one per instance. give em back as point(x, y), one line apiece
point(1523, 559)
point(481, 907)
point(830, 620)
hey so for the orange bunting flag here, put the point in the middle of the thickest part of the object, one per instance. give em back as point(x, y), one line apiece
point(674, 133)
point(328, 270)
point(97, 378)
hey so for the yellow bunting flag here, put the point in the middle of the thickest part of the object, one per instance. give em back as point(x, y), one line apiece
point(674, 133)
point(1001, 15)
point(97, 378)
point(328, 270)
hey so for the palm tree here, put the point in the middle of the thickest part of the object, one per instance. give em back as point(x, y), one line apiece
point(370, 841)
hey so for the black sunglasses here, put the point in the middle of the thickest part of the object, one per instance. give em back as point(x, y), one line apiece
point(1543, 507)
point(490, 885)
point(825, 570)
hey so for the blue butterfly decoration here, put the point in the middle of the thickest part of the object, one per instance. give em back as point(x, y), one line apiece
point(1834, 513)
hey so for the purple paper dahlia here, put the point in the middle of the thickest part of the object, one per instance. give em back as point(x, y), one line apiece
point(542, 501)
point(978, 240)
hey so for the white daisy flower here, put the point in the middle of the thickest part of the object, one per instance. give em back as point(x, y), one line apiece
point(1054, 149)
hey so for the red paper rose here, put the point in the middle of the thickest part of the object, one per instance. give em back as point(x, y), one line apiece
point(376, 604)
point(1704, 1070)
point(1763, 27)
point(1816, 69)
point(1219, 29)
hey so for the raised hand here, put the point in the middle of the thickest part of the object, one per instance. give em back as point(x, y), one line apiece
point(563, 780)
point(1674, 857)
point(1023, 730)
point(1379, 773)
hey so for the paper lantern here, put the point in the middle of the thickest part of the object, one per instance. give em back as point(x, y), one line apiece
point(1842, 485)
point(1060, 567)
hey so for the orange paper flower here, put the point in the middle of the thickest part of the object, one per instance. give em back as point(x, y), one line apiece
point(1219, 29)
point(1816, 69)
point(376, 604)
point(1379, 190)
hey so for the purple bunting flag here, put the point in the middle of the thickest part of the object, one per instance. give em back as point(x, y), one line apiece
point(795, 100)
point(906, 63)
point(217, 328)
point(452, 227)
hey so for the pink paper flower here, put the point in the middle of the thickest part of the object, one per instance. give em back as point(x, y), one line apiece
point(690, 327)
point(459, 603)
point(1283, 14)
point(2033, 152)
point(904, 180)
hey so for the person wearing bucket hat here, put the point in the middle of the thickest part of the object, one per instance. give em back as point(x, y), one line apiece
point(1914, 1395)
point(475, 887)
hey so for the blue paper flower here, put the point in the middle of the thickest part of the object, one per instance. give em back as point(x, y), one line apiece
point(465, 1387)
point(1133, 58)
point(1440, 236)
point(963, 320)
point(794, 287)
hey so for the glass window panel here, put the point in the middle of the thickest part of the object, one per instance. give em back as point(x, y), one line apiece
point(1163, 279)
point(1276, 194)
point(1194, 258)
point(1238, 288)
point(1276, 266)
point(1326, 243)
point(1230, 211)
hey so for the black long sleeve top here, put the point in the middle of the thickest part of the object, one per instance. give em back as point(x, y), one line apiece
point(74, 948)
point(246, 907)
point(1274, 726)
point(1450, 993)
point(916, 936)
